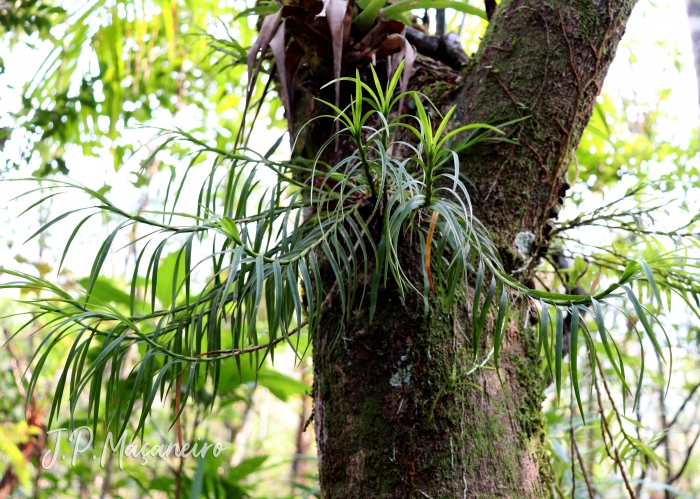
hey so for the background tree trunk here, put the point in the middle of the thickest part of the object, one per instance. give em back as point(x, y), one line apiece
point(693, 9)
point(386, 426)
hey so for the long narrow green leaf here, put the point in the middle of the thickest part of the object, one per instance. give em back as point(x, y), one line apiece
point(101, 257)
point(558, 350)
point(544, 337)
point(498, 332)
point(394, 10)
point(645, 322)
point(475, 304)
point(484, 311)
point(573, 359)
point(603, 333)
point(649, 274)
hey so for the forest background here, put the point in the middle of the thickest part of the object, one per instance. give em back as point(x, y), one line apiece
point(85, 88)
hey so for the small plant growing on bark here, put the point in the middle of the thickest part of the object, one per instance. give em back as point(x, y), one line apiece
point(362, 210)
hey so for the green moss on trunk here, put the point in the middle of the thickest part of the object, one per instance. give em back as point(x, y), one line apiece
point(383, 432)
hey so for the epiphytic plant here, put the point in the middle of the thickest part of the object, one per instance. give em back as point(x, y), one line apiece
point(268, 248)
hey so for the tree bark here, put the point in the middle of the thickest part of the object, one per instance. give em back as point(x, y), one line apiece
point(387, 422)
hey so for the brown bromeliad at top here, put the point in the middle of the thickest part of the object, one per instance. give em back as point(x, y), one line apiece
point(326, 38)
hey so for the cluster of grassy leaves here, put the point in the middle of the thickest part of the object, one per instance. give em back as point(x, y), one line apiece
point(268, 258)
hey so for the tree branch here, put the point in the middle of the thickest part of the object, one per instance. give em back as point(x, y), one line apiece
point(677, 415)
point(675, 477)
point(446, 48)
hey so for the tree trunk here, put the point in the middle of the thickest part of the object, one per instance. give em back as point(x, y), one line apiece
point(388, 423)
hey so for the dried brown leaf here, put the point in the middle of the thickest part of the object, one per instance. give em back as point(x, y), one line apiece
point(392, 45)
point(336, 11)
point(278, 47)
point(267, 31)
point(379, 33)
point(409, 55)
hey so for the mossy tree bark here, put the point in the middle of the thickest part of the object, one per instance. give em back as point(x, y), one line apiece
point(385, 425)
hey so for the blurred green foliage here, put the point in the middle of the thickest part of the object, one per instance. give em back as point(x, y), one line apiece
point(115, 66)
